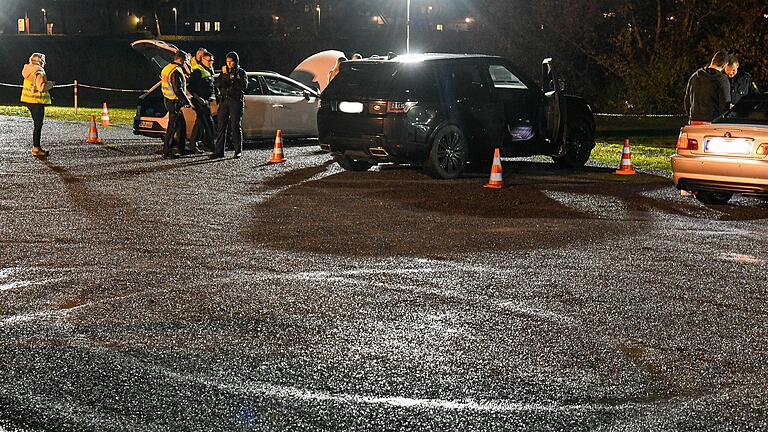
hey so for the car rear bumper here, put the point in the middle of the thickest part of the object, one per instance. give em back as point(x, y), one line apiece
point(725, 174)
point(149, 126)
point(375, 139)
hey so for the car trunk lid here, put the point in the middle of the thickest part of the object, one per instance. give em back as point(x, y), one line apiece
point(737, 140)
point(159, 53)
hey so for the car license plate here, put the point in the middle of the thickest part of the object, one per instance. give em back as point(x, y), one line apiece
point(728, 145)
point(146, 124)
point(351, 107)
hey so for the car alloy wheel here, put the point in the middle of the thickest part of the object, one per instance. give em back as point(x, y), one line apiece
point(448, 154)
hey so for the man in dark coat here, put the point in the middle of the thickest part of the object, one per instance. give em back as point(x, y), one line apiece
point(201, 85)
point(741, 82)
point(708, 94)
point(232, 84)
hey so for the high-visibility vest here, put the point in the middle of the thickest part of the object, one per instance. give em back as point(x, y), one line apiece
point(165, 77)
point(204, 73)
point(30, 94)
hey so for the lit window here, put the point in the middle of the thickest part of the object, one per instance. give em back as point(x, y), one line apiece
point(306, 8)
point(197, 26)
point(217, 26)
point(207, 26)
point(439, 27)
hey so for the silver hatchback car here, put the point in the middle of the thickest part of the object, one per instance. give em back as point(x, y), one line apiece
point(728, 156)
point(272, 102)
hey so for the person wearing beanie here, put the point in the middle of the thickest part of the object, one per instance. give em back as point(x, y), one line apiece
point(232, 84)
point(35, 95)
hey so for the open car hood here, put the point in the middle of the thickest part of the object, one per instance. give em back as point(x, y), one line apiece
point(158, 53)
point(313, 71)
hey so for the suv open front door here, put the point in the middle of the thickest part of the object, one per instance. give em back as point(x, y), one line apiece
point(555, 115)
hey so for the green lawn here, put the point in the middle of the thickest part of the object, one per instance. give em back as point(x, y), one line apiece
point(116, 115)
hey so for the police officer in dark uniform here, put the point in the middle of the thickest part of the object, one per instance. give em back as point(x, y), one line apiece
point(174, 87)
point(201, 85)
point(232, 84)
point(741, 82)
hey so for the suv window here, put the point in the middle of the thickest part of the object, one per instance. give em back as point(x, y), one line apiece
point(464, 80)
point(504, 78)
point(384, 80)
point(279, 87)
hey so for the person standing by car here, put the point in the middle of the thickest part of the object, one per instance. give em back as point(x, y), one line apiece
point(202, 88)
point(708, 94)
point(174, 87)
point(35, 95)
point(740, 81)
point(232, 84)
point(198, 56)
point(336, 69)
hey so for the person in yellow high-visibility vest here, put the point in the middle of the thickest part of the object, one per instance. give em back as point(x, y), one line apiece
point(174, 88)
point(35, 95)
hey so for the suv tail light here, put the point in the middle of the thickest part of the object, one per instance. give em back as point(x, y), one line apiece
point(399, 107)
point(763, 149)
point(685, 143)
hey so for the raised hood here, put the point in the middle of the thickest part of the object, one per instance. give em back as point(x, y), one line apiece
point(158, 53)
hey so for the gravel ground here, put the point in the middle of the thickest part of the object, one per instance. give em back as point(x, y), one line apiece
point(145, 294)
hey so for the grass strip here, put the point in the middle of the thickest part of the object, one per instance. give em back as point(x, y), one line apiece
point(116, 115)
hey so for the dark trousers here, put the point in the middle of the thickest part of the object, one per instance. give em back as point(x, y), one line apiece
point(203, 123)
point(38, 114)
point(229, 117)
point(174, 119)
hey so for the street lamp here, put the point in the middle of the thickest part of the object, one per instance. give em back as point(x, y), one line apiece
point(408, 27)
point(45, 20)
point(317, 8)
point(176, 20)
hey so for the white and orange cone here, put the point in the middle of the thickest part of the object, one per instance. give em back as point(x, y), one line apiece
point(625, 168)
point(93, 133)
point(277, 152)
point(496, 181)
point(105, 116)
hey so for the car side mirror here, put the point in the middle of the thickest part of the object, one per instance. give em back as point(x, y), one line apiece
point(307, 95)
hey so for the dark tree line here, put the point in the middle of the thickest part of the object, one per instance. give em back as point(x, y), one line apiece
point(631, 55)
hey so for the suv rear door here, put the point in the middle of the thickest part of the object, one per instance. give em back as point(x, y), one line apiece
point(467, 96)
point(555, 115)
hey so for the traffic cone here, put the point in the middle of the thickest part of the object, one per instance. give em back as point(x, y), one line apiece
point(496, 181)
point(93, 134)
point(105, 116)
point(626, 161)
point(277, 152)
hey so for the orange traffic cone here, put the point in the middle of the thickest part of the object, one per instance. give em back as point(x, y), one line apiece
point(277, 152)
point(105, 116)
point(496, 181)
point(93, 134)
point(626, 161)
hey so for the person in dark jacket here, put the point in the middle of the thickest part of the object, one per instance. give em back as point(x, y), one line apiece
point(201, 86)
point(708, 93)
point(741, 82)
point(174, 88)
point(232, 84)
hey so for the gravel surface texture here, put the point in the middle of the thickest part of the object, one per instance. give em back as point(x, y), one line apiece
point(145, 294)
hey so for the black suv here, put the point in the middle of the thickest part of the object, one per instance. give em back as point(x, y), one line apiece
point(446, 111)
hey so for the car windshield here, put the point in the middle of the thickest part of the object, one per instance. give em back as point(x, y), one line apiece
point(749, 110)
point(381, 80)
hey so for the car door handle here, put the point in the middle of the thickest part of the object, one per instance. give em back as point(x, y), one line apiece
point(278, 106)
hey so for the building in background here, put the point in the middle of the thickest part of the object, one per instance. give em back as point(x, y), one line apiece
point(242, 17)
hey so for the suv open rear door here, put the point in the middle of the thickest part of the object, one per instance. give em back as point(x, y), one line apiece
point(555, 115)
